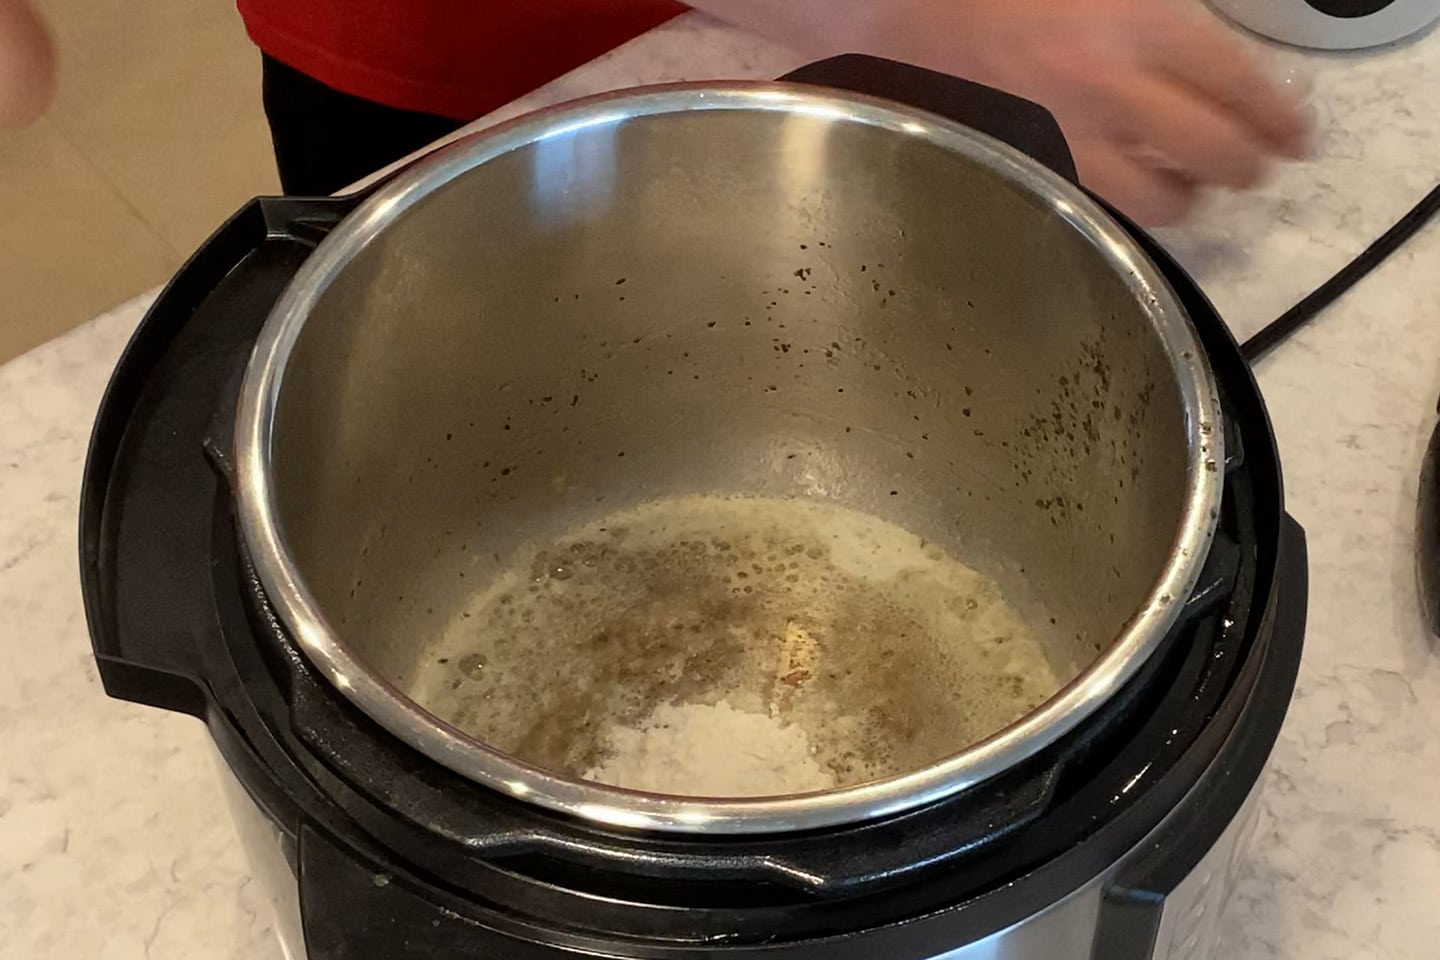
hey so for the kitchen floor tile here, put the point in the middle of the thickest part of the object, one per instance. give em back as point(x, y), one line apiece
point(163, 98)
point(70, 246)
point(156, 135)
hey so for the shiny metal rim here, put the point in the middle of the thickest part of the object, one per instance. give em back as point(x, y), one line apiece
point(449, 746)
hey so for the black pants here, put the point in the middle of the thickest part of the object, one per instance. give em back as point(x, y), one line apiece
point(325, 139)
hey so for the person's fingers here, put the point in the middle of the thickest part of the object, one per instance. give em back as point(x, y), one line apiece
point(1202, 141)
point(1148, 194)
point(27, 64)
point(1200, 54)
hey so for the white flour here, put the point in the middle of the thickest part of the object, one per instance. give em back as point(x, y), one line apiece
point(712, 750)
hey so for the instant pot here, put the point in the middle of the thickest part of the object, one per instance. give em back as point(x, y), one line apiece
point(344, 416)
point(1332, 24)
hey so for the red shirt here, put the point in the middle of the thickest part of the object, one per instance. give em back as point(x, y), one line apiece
point(455, 58)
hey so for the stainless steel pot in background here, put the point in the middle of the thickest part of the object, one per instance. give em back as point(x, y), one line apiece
point(1332, 24)
point(757, 290)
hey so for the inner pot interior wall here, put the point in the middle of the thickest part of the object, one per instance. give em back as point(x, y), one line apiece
point(728, 302)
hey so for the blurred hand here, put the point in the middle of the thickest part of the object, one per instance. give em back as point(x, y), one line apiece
point(27, 64)
point(1157, 98)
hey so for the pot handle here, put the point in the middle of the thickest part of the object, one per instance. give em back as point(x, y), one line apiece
point(1026, 126)
point(148, 497)
point(1167, 898)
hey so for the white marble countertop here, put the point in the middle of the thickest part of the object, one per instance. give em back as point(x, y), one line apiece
point(115, 844)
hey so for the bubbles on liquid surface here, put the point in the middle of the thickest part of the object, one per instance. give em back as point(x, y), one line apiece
point(888, 653)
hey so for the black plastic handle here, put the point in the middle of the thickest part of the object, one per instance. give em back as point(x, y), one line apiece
point(148, 495)
point(1026, 126)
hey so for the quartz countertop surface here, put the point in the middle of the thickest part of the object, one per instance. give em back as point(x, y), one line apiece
point(114, 840)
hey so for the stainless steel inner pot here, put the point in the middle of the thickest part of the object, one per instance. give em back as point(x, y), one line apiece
point(747, 289)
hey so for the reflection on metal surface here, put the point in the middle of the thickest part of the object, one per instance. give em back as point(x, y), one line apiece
point(1190, 923)
point(269, 852)
point(572, 172)
point(1064, 931)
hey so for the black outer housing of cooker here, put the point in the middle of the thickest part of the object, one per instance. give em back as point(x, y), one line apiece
point(179, 621)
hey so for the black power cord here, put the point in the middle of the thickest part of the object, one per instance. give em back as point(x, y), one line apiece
point(1428, 553)
point(1306, 310)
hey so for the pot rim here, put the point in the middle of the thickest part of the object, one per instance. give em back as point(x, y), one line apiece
point(301, 614)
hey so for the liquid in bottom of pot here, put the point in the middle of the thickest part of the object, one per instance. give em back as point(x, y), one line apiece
point(736, 647)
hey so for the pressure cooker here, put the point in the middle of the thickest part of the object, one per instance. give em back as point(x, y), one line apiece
point(387, 490)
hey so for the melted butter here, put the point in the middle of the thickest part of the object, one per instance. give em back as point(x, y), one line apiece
point(885, 651)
